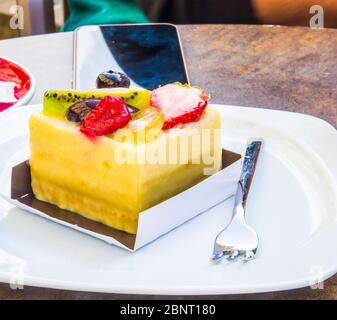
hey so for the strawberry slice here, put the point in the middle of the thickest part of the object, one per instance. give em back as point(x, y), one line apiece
point(108, 116)
point(179, 103)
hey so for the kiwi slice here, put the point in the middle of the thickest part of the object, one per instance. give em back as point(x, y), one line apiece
point(57, 102)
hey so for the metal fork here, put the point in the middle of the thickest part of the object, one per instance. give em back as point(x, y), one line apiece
point(238, 239)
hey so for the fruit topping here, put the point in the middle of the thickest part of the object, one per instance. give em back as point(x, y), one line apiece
point(57, 102)
point(108, 116)
point(144, 126)
point(78, 111)
point(112, 79)
point(179, 103)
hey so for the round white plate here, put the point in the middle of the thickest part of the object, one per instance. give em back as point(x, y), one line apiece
point(28, 96)
point(292, 206)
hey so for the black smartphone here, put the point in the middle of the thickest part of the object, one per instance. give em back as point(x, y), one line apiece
point(150, 54)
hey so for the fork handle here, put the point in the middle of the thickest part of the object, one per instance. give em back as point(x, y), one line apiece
point(248, 168)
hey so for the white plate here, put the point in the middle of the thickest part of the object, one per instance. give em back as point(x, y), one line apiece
point(29, 95)
point(293, 207)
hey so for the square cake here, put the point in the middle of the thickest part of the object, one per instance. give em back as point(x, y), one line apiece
point(110, 154)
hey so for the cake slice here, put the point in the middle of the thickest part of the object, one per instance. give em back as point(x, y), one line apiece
point(112, 177)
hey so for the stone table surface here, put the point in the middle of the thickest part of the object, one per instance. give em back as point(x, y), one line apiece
point(285, 68)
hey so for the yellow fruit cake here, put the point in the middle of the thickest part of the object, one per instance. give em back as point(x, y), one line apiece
point(108, 160)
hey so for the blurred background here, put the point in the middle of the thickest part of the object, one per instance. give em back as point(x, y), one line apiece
point(43, 16)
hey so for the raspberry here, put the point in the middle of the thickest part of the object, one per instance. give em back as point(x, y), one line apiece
point(108, 116)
